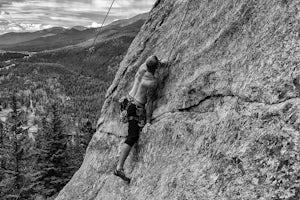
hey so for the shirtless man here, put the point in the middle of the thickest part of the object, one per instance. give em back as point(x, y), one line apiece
point(142, 96)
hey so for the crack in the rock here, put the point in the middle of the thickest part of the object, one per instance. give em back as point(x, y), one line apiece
point(187, 109)
point(204, 99)
point(279, 102)
point(112, 134)
point(180, 110)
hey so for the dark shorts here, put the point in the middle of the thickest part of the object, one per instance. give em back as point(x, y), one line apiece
point(133, 126)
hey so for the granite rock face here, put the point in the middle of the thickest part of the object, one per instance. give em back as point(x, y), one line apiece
point(227, 118)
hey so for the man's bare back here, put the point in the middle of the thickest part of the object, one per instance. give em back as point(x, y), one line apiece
point(143, 82)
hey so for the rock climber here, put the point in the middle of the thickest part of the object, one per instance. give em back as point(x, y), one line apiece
point(141, 99)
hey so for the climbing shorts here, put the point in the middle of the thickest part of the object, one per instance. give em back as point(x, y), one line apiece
point(133, 125)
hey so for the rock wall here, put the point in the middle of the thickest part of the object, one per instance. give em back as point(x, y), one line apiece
point(227, 119)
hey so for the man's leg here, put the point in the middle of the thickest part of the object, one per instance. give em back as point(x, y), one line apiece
point(124, 154)
point(132, 138)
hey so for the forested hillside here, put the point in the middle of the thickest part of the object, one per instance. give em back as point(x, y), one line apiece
point(49, 105)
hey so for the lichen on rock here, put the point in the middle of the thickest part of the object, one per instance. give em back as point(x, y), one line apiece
point(226, 123)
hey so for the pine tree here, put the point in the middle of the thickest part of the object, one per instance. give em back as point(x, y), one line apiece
point(58, 152)
point(40, 169)
point(13, 150)
point(88, 132)
point(75, 154)
point(2, 161)
point(51, 171)
point(2, 151)
point(77, 150)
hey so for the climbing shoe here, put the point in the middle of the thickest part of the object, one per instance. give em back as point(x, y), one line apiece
point(121, 174)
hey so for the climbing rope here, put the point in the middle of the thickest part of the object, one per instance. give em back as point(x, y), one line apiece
point(92, 48)
point(179, 30)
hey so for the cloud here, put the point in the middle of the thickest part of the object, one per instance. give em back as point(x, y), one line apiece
point(7, 2)
point(11, 27)
point(12, 23)
point(94, 25)
point(68, 13)
point(4, 12)
point(3, 23)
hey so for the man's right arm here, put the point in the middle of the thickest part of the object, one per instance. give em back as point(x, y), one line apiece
point(151, 97)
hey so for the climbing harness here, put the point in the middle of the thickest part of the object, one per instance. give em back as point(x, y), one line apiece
point(124, 104)
point(92, 48)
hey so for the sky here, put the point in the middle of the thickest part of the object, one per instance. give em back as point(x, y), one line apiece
point(33, 15)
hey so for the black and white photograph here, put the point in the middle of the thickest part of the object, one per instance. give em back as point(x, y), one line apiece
point(149, 99)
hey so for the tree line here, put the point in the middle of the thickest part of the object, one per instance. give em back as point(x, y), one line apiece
point(38, 166)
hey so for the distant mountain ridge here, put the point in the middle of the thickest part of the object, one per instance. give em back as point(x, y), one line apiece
point(125, 22)
point(14, 38)
point(80, 28)
point(58, 37)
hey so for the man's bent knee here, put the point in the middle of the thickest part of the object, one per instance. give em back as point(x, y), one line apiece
point(131, 141)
